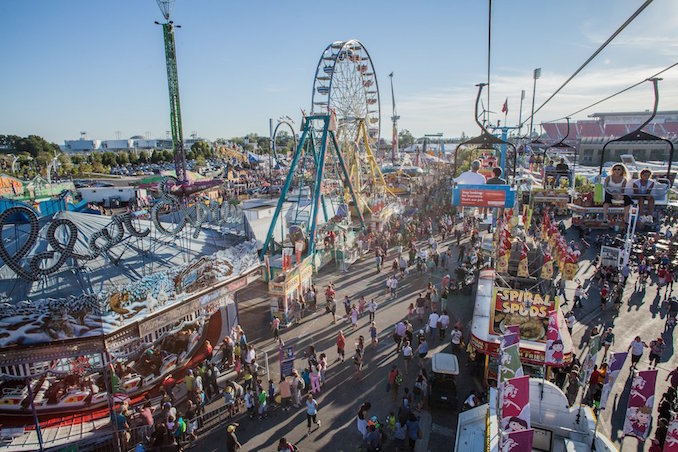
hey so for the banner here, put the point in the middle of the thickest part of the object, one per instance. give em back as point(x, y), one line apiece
point(528, 222)
point(483, 196)
point(590, 360)
point(527, 309)
point(286, 259)
point(518, 441)
point(671, 442)
point(298, 249)
point(547, 267)
point(523, 271)
point(641, 402)
point(509, 358)
point(515, 404)
point(502, 263)
point(554, 341)
point(570, 271)
point(614, 366)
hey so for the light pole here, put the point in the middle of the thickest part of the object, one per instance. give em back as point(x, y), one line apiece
point(520, 113)
point(537, 74)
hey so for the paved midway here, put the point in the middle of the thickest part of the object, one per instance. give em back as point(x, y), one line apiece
point(342, 395)
point(641, 313)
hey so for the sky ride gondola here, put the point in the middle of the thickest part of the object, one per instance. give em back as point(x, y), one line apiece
point(484, 195)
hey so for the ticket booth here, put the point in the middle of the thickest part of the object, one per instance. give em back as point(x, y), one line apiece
point(287, 287)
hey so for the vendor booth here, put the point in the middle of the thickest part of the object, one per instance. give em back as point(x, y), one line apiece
point(288, 287)
point(497, 308)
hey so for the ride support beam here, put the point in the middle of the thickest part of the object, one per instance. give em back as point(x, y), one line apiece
point(348, 180)
point(283, 193)
point(317, 186)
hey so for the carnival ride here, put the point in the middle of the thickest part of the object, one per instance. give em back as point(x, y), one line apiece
point(285, 122)
point(345, 82)
point(313, 152)
point(502, 195)
point(588, 208)
point(100, 309)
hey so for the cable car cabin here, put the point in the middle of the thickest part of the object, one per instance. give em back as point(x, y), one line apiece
point(555, 199)
point(588, 208)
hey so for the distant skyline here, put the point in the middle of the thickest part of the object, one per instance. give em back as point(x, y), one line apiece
point(100, 66)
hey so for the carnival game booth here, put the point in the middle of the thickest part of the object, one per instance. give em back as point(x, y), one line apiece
point(497, 308)
point(95, 305)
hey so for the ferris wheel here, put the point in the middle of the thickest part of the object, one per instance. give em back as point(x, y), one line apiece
point(346, 82)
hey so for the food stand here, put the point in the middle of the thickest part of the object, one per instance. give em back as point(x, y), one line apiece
point(497, 308)
point(287, 287)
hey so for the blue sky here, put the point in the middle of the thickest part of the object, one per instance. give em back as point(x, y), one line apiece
point(83, 65)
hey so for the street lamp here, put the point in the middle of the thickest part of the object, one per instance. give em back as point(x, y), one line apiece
point(537, 74)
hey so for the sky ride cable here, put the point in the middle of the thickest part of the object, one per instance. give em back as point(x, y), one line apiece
point(614, 95)
point(593, 56)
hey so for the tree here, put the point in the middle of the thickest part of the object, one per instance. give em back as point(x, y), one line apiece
point(143, 157)
point(98, 167)
point(65, 164)
point(108, 159)
point(264, 144)
point(157, 157)
point(200, 161)
point(76, 159)
point(405, 138)
point(122, 158)
point(201, 148)
point(133, 158)
point(167, 156)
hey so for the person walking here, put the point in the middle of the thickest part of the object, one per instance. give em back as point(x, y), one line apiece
point(657, 347)
point(433, 324)
point(354, 317)
point(341, 344)
point(636, 348)
point(608, 340)
point(407, 355)
point(232, 443)
point(275, 325)
point(311, 412)
point(455, 339)
point(372, 309)
point(373, 334)
point(578, 295)
point(443, 324)
point(422, 350)
point(413, 430)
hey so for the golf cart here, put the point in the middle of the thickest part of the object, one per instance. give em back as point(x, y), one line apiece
point(445, 368)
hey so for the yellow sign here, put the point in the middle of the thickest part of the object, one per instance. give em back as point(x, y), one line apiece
point(502, 263)
point(570, 270)
point(528, 310)
point(547, 270)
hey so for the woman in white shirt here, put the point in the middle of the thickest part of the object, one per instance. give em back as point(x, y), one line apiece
point(615, 190)
point(407, 355)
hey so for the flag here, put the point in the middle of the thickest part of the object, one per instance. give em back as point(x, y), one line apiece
point(517, 441)
point(504, 109)
point(614, 366)
point(523, 270)
point(554, 342)
point(671, 442)
point(590, 360)
point(515, 404)
point(509, 357)
point(641, 402)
